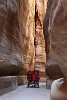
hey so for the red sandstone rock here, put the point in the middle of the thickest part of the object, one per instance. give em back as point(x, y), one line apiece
point(26, 22)
point(58, 33)
point(16, 36)
point(52, 68)
point(58, 46)
point(10, 44)
point(40, 54)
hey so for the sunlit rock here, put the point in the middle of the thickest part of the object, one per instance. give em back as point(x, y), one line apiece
point(26, 23)
point(40, 55)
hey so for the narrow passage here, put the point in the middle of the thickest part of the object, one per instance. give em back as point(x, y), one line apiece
point(24, 93)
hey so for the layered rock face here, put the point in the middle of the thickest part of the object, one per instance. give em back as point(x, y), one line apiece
point(26, 23)
point(58, 48)
point(40, 55)
point(58, 33)
point(52, 68)
point(16, 35)
point(10, 44)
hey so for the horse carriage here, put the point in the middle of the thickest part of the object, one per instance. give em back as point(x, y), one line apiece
point(33, 78)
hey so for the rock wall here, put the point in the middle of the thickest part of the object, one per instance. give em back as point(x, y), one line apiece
point(16, 36)
point(10, 45)
point(52, 68)
point(58, 33)
point(26, 23)
point(40, 54)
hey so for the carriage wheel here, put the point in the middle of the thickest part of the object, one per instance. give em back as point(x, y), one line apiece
point(38, 84)
point(28, 85)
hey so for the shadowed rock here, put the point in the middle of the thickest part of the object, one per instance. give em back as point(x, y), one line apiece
point(52, 68)
point(11, 57)
point(58, 46)
point(58, 33)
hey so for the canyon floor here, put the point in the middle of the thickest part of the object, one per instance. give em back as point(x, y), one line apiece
point(24, 93)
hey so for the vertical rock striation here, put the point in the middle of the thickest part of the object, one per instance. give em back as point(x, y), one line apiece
point(26, 23)
point(16, 36)
point(11, 57)
point(58, 33)
point(52, 68)
point(58, 46)
point(39, 37)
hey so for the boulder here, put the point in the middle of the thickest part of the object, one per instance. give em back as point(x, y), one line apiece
point(52, 69)
point(59, 90)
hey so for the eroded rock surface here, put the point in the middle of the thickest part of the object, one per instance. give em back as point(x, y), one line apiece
point(52, 68)
point(58, 48)
point(7, 84)
point(58, 33)
point(10, 46)
point(40, 55)
point(26, 22)
point(16, 35)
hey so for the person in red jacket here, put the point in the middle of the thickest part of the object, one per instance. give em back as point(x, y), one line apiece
point(33, 75)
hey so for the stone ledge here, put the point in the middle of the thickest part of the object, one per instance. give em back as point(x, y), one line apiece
point(21, 80)
point(7, 84)
point(49, 83)
point(10, 83)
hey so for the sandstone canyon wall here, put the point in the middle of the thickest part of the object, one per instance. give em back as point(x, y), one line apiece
point(16, 35)
point(10, 45)
point(27, 29)
point(56, 46)
point(52, 68)
point(40, 55)
point(58, 33)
